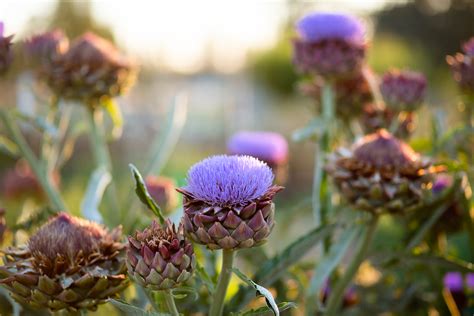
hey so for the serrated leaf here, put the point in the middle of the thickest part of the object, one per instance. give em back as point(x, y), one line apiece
point(272, 269)
point(8, 147)
point(315, 128)
point(95, 190)
point(272, 305)
point(131, 310)
point(329, 262)
point(115, 114)
point(144, 196)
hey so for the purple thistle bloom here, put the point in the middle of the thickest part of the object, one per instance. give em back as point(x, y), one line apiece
point(441, 184)
point(229, 180)
point(403, 90)
point(319, 26)
point(267, 146)
point(45, 47)
point(453, 281)
point(470, 281)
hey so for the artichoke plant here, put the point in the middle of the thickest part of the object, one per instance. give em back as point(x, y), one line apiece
point(381, 173)
point(162, 190)
point(462, 67)
point(403, 90)
point(160, 257)
point(68, 264)
point(228, 202)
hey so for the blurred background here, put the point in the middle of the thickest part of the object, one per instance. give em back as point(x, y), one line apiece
point(233, 60)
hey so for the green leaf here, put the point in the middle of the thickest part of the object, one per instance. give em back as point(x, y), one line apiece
point(8, 147)
point(143, 194)
point(205, 278)
point(38, 122)
point(131, 310)
point(95, 190)
point(328, 263)
point(314, 129)
point(448, 262)
point(265, 309)
point(272, 269)
point(183, 291)
point(260, 291)
point(115, 114)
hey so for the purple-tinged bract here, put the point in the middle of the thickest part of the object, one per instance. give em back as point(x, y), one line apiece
point(403, 90)
point(229, 180)
point(319, 26)
point(228, 202)
point(46, 47)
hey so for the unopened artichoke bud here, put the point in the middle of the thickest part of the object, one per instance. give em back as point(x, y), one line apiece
point(228, 202)
point(272, 148)
point(403, 90)
point(44, 48)
point(381, 173)
point(160, 257)
point(352, 93)
point(91, 69)
point(68, 264)
point(462, 67)
point(329, 44)
point(6, 55)
point(163, 191)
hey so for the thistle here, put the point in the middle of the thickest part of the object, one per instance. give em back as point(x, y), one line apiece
point(162, 190)
point(160, 257)
point(228, 202)
point(272, 148)
point(91, 69)
point(462, 67)
point(403, 90)
point(329, 44)
point(44, 48)
point(68, 264)
point(381, 173)
point(6, 55)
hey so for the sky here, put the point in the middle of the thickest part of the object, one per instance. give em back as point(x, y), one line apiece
point(180, 34)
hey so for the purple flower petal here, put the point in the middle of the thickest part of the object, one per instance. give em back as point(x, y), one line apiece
point(453, 281)
point(229, 180)
point(318, 26)
point(266, 146)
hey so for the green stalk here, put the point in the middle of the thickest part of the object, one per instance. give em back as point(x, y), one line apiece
point(170, 303)
point(337, 295)
point(217, 306)
point(102, 156)
point(39, 171)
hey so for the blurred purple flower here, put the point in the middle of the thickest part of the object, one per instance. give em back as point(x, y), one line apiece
point(468, 47)
point(462, 66)
point(266, 146)
point(229, 180)
point(45, 47)
point(441, 183)
point(453, 281)
point(318, 26)
point(403, 90)
point(470, 281)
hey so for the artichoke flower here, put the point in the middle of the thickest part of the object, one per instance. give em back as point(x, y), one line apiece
point(329, 44)
point(228, 202)
point(272, 148)
point(160, 257)
point(68, 264)
point(91, 69)
point(381, 173)
point(403, 90)
point(46, 47)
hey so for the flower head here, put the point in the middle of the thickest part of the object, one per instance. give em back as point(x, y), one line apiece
point(62, 264)
point(269, 147)
point(229, 180)
point(329, 44)
point(381, 173)
point(160, 257)
point(6, 55)
point(403, 90)
point(162, 190)
point(92, 68)
point(45, 47)
point(319, 26)
point(453, 281)
point(228, 202)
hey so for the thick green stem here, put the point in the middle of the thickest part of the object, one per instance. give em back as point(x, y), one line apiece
point(337, 295)
point(219, 295)
point(170, 303)
point(39, 171)
point(102, 156)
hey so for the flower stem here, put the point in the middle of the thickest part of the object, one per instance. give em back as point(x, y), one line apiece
point(337, 294)
point(39, 170)
point(170, 303)
point(217, 306)
point(101, 154)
